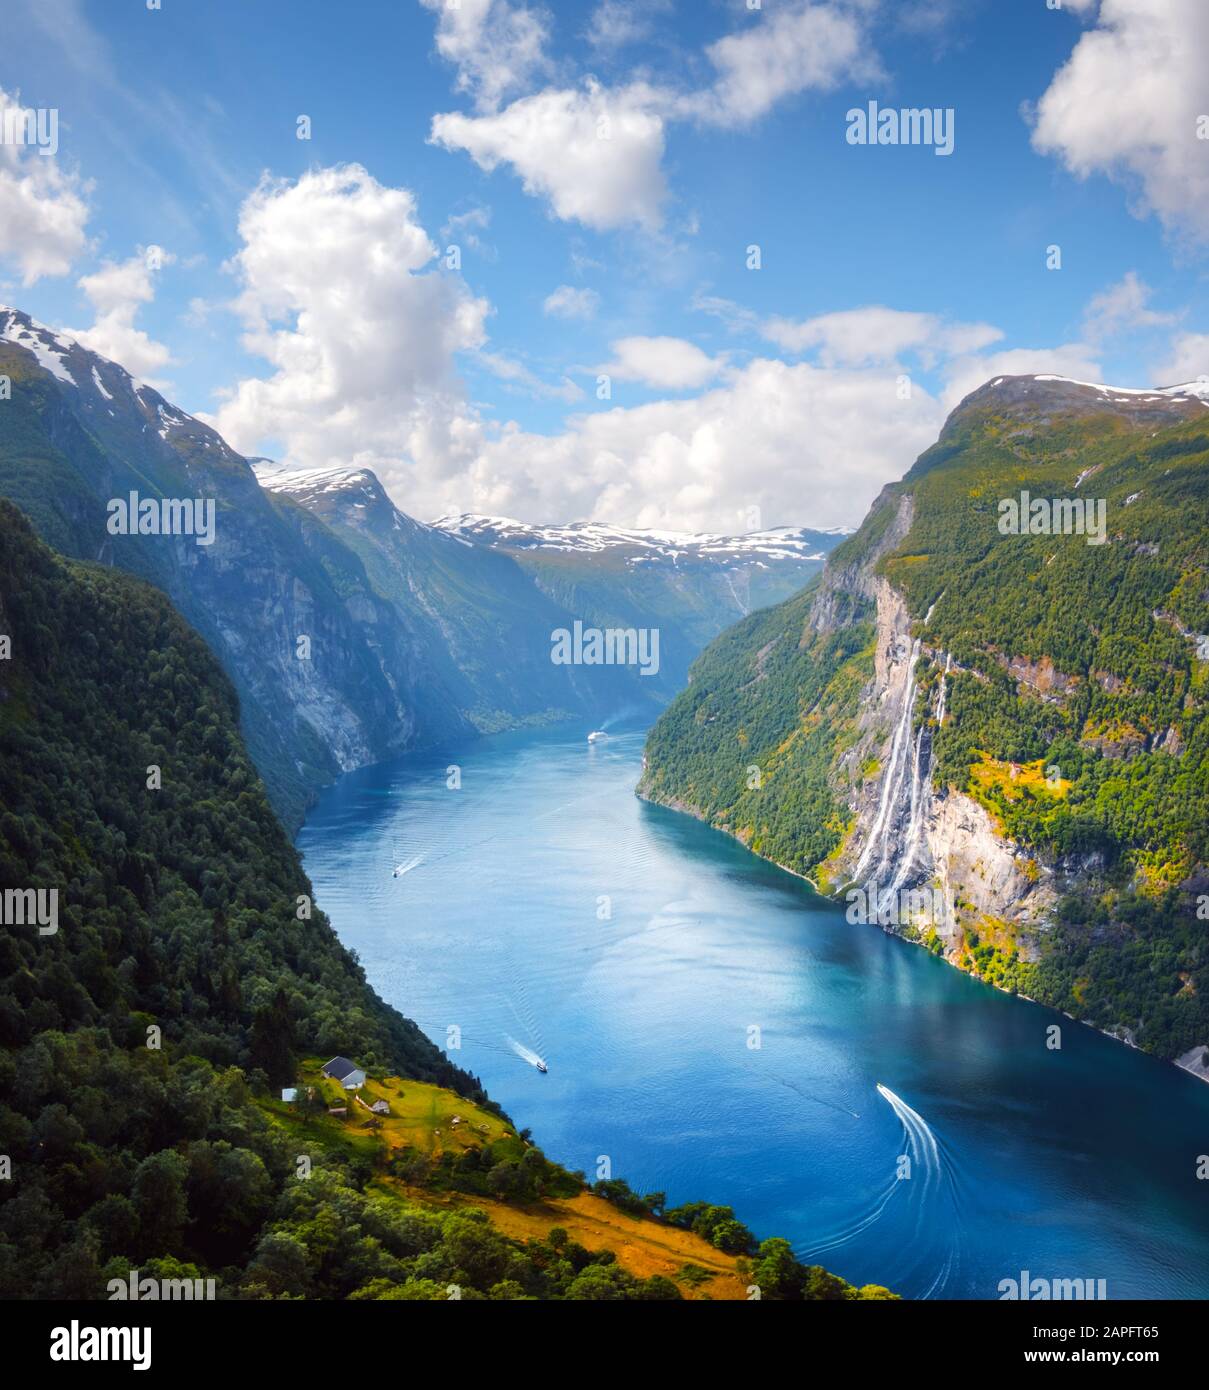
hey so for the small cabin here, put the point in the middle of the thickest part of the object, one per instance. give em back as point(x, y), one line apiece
point(289, 1094)
point(338, 1110)
point(380, 1107)
point(347, 1073)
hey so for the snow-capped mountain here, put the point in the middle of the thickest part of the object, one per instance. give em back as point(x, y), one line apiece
point(491, 582)
point(779, 543)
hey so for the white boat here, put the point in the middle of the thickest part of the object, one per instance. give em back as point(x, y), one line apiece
point(596, 735)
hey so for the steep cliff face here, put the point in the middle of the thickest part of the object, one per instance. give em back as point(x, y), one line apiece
point(318, 694)
point(928, 858)
point(991, 740)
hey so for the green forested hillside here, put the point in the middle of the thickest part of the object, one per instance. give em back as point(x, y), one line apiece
point(765, 696)
point(1079, 659)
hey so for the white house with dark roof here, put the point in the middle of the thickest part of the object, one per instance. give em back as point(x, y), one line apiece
point(349, 1074)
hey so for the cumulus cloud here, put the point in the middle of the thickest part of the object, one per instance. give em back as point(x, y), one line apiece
point(116, 292)
point(337, 293)
point(497, 47)
point(1120, 308)
point(795, 48)
point(1131, 103)
point(43, 208)
point(567, 302)
point(874, 333)
point(340, 294)
point(825, 440)
point(593, 153)
point(669, 364)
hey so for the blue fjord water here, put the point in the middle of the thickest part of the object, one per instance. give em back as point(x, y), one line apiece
point(1078, 1163)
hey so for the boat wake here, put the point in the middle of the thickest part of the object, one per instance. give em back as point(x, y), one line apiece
point(408, 865)
point(526, 1054)
point(928, 1210)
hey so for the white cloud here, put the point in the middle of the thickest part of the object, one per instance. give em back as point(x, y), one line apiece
point(516, 374)
point(875, 334)
point(595, 152)
point(43, 209)
point(615, 23)
point(1127, 104)
point(592, 152)
point(337, 295)
point(463, 229)
point(668, 364)
point(1122, 307)
point(116, 292)
point(567, 302)
point(497, 47)
point(800, 47)
point(1188, 361)
point(825, 441)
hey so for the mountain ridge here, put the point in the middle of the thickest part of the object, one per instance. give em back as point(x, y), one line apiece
point(1012, 723)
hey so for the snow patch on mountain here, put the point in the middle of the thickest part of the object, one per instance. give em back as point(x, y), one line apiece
point(1196, 390)
point(48, 347)
point(777, 543)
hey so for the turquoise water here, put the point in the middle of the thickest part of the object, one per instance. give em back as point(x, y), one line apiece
point(1078, 1163)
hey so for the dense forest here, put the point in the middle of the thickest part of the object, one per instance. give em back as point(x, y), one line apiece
point(1077, 663)
point(174, 982)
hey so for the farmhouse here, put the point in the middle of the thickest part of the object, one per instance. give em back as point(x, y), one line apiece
point(349, 1075)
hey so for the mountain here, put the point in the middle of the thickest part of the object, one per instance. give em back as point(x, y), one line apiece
point(744, 555)
point(326, 678)
point(490, 592)
point(689, 586)
point(989, 742)
point(164, 973)
point(483, 623)
point(352, 632)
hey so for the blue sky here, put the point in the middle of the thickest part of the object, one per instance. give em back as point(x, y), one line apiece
point(304, 302)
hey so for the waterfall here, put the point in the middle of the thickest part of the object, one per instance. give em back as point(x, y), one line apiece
point(920, 768)
point(940, 704)
point(892, 784)
point(897, 834)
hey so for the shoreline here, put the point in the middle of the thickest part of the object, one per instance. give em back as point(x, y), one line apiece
point(1195, 1062)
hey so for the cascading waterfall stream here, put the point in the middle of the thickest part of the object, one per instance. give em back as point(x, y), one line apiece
point(893, 781)
point(944, 690)
point(904, 789)
point(921, 773)
point(920, 765)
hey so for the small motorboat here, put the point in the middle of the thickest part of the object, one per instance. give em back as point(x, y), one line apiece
point(596, 735)
point(541, 1066)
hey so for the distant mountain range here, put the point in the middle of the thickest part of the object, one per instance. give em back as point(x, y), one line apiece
point(353, 632)
point(985, 725)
